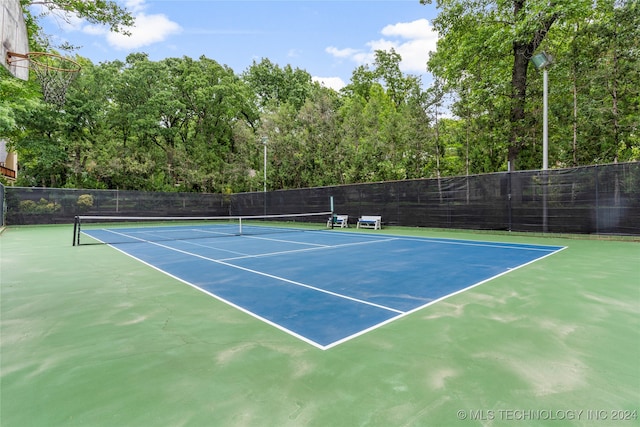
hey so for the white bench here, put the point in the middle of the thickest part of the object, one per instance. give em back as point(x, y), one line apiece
point(370, 221)
point(341, 221)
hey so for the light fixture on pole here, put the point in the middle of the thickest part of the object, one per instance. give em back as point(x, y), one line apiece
point(264, 143)
point(542, 61)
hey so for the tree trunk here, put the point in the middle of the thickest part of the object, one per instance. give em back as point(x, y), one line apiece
point(522, 52)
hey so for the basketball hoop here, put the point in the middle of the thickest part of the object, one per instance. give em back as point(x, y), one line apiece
point(54, 72)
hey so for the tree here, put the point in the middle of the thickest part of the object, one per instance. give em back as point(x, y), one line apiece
point(274, 85)
point(183, 124)
point(42, 147)
point(398, 85)
point(102, 12)
point(381, 114)
point(418, 131)
point(84, 125)
point(176, 121)
point(16, 96)
point(386, 72)
point(614, 82)
point(318, 120)
point(477, 36)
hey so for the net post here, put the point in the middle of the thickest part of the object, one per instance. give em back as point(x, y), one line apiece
point(240, 225)
point(75, 229)
point(332, 212)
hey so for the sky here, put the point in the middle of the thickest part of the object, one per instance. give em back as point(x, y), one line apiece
point(328, 39)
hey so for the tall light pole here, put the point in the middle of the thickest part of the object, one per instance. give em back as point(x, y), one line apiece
point(542, 61)
point(264, 143)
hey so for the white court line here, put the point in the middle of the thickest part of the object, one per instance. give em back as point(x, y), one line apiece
point(260, 273)
point(479, 243)
point(283, 241)
point(459, 291)
point(504, 245)
point(267, 254)
point(401, 314)
point(226, 301)
point(317, 246)
point(164, 232)
point(242, 254)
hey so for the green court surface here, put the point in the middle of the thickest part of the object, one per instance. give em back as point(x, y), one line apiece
point(92, 337)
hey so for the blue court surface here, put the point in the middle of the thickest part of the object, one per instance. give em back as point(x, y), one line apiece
point(326, 287)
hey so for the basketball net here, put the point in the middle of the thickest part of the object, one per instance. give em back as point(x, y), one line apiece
point(54, 72)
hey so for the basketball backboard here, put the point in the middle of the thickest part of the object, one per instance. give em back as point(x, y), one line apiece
point(13, 33)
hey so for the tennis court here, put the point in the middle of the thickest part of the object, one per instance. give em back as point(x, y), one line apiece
point(323, 287)
point(93, 336)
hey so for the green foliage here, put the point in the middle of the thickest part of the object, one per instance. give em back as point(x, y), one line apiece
point(40, 207)
point(483, 57)
point(85, 201)
point(273, 86)
point(183, 124)
point(102, 12)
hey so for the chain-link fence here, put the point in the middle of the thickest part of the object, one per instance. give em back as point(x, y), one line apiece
point(595, 199)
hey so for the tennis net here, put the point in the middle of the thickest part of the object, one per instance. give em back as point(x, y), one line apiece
point(90, 229)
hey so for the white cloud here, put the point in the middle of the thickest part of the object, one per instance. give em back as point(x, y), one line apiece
point(341, 53)
point(94, 30)
point(148, 29)
point(418, 29)
point(135, 6)
point(71, 22)
point(411, 40)
point(335, 83)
